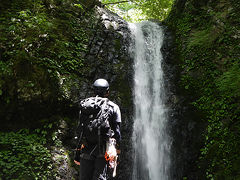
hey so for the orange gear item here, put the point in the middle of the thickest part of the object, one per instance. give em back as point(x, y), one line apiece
point(82, 146)
point(111, 152)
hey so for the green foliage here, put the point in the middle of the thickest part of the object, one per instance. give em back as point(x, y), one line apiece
point(208, 47)
point(138, 10)
point(203, 38)
point(39, 41)
point(79, 6)
point(155, 9)
point(23, 155)
point(229, 83)
point(45, 39)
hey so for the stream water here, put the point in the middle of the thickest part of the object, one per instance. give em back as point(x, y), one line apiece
point(150, 139)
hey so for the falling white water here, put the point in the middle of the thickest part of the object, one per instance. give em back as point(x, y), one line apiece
point(150, 139)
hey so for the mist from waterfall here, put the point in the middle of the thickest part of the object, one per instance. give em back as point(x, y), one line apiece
point(150, 139)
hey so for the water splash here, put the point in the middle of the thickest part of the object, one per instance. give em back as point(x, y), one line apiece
point(150, 139)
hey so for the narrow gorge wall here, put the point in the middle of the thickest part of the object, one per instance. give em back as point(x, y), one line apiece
point(207, 58)
point(106, 57)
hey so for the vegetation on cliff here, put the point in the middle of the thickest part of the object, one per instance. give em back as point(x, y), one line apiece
point(207, 38)
point(50, 53)
point(24, 156)
point(42, 44)
point(38, 39)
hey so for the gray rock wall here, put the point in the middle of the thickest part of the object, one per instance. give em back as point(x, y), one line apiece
point(107, 57)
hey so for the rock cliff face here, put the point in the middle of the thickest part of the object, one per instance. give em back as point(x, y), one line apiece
point(107, 57)
point(33, 97)
point(206, 34)
point(184, 131)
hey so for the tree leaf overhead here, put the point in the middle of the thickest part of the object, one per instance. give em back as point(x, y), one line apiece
point(137, 10)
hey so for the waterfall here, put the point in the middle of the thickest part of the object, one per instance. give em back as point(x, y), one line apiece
point(150, 139)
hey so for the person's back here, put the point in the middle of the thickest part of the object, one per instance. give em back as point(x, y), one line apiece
point(100, 120)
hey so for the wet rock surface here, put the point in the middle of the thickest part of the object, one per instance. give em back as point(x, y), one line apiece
point(185, 124)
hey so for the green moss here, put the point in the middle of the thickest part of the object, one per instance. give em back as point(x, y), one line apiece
point(41, 43)
point(229, 83)
point(117, 44)
point(208, 50)
point(23, 156)
point(202, 38)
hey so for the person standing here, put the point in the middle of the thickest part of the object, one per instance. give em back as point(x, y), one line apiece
point(94, 131)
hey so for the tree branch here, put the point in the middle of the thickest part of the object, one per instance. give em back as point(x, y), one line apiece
point(116, 2)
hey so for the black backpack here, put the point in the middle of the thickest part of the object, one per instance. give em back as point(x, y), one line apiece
point(95, 116)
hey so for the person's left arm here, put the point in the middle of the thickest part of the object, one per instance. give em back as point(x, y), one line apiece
point(117, 127)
